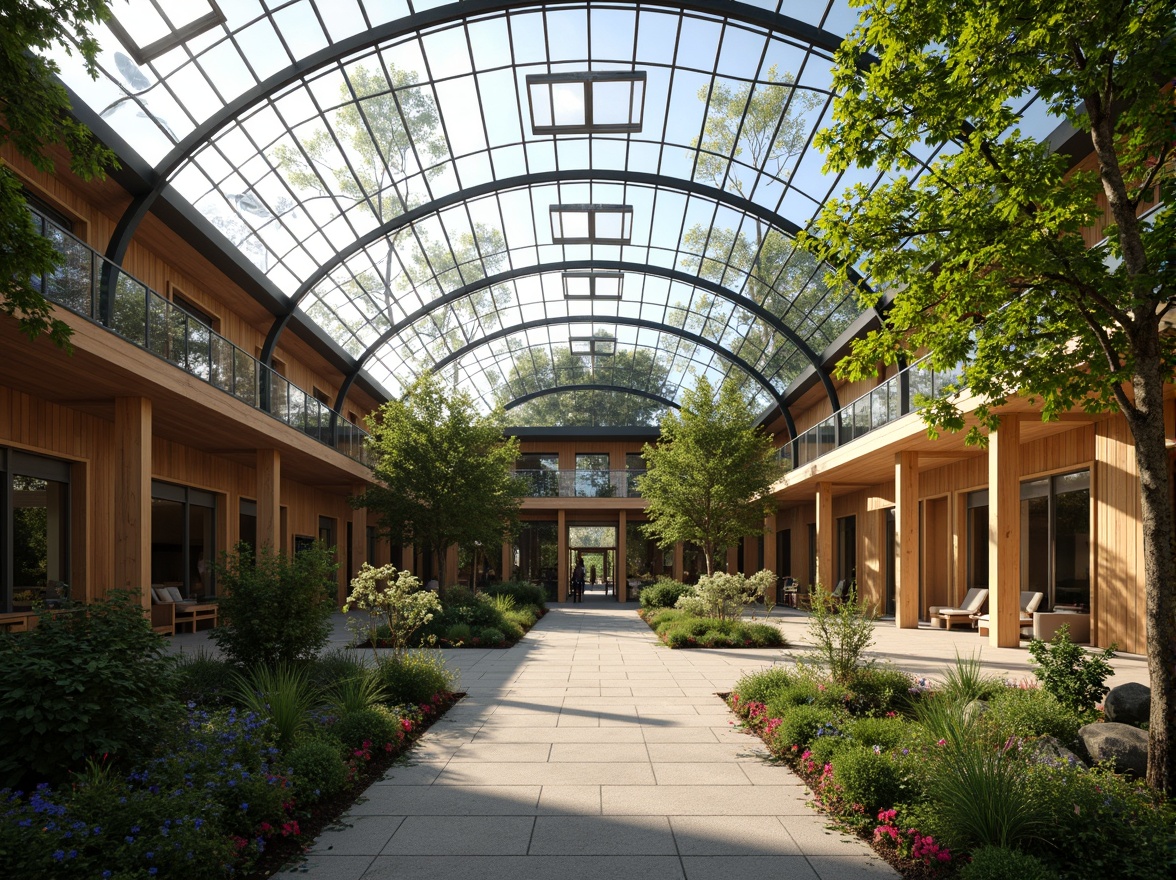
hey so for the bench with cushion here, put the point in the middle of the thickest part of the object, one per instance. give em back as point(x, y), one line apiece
point(1030, 600)
point(973, 604)
point(170, 611)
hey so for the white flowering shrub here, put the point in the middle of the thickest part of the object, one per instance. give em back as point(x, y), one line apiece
point(389, 598)
point(724, 595)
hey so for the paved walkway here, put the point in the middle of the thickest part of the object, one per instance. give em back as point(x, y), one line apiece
point(590, 751)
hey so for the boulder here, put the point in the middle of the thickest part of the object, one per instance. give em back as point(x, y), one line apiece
point(1050, 750)
point(1128, 704)
point(1125, 744)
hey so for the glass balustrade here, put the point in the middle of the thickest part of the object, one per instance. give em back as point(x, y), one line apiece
point(93, 287)
point(580, 483)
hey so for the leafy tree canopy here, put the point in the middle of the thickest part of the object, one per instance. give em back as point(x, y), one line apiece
point(987, 253)
point(444, 471)
point(34, 117)
point(709, 475)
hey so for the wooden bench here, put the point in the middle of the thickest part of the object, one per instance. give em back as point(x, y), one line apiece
point(190, 615)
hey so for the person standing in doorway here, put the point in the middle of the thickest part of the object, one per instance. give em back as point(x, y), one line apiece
point(578, 580)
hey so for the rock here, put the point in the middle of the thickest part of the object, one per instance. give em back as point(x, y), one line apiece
point(1050, 750)
point(975, 709)
point(1127, 745)
point(1128, 704)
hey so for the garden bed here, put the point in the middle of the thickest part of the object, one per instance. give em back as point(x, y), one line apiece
point(709, 615)
point(679, 629)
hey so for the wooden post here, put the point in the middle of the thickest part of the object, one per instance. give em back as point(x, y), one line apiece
point(132, 496)
point(506, 559)
point(358, 543)
point(906, 540)
point(562, 557)
point(620, 573)
point(1004, 533)
point(679, 559)
point(824, 573)
point(450, 556)
point(269, 499)
point(771, 563)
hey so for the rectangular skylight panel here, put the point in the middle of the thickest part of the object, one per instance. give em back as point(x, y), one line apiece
point(591, 224)
point(592, 285)
point(149, 28)
point(585, 102)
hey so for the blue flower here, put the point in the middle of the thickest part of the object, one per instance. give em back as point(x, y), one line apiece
point(58, 855)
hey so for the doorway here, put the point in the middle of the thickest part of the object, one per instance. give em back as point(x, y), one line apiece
point(596, 546)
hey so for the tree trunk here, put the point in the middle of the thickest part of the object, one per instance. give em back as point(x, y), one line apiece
point(708, 554)
point(1151, 456)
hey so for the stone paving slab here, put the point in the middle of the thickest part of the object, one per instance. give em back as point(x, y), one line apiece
point(589, 751)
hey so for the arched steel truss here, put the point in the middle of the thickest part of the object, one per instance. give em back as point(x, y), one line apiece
point(658, 271)
point(623, 321)
point(560, 389)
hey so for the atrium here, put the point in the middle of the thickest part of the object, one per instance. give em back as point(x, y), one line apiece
point(571, 211)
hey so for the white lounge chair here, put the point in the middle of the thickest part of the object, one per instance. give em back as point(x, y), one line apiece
point(973, 604)
point(1030, 601)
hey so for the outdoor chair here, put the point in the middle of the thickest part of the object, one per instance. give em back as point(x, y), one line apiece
point(789, 587)
point(973, 604)
point(1030, 601)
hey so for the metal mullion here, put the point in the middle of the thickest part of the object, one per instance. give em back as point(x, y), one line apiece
point(787, 182)
point(710, 90)
point(404, 197)
point(357, 101)
point(432, 83)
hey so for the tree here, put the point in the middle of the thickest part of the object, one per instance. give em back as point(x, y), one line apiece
point(985, 251)
point(710, 474)
point(444, 471)
point(36, 116)
point(536, 370)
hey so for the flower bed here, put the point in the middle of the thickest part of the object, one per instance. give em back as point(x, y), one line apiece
point(962, 780)
point(679, 629)
point(709, 615)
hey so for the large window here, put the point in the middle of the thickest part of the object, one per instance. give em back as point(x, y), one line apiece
point(847, 549)
point(536, 555)
point(593, 477)
point(1055, 538)
point(977, 540)
point(34, 530)
point(183, 539)
point(541, 471)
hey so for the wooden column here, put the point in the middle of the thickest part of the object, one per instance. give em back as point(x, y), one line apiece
point(824, 573)
point(507, 561)
point(450, 576)
point(562, 556)
point(1004, 533)
point(732, 559)
point(358, 543)
point(771, 563)
point(679, 560)
point(269, 499)
point(620, 570)
point(906, 540)
point(132, 496)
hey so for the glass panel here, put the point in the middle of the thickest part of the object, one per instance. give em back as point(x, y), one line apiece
point(40, 518)
point(1072, 542)
point(70, 284)
point(245, 377)
point(199, 339)
point(129, 313)
point(592, 476)
point(158, 339)
point(921, 383)
point(167, 543)
point(202, 551)
point(222, 364)
point(1035, 544)
point(977, 539)
point(536, 555)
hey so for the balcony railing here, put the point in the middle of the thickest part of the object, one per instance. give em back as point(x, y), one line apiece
point(581, 483)
point(890, 401)
point(91, 286)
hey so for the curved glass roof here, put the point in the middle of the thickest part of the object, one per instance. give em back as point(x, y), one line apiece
point(430, 183)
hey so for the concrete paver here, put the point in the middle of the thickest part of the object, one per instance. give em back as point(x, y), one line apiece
point(591, 751)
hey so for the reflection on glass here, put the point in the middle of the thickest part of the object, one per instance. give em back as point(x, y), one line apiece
point(593, 478)
point(39, 536)
point(536, 554)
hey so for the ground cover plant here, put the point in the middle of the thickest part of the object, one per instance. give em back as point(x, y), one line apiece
point(965, 778)
point(255, 760)
point(709, 615)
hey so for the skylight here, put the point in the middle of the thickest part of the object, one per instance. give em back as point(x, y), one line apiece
point(151, 28)
point(591, 224)
point(586, 102)
point(592, 285)
point(593, 346)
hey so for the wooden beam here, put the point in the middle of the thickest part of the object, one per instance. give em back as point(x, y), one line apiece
point(906, 540)
point(620, 570)
point(1004, 533)
point(269, 499)
point(132, 496)
point(358, 543)
point(771, 563)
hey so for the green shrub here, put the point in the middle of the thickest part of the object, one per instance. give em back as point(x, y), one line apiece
point(876, 690)
point(459, 632)
point(336, 665)
point(523, 618)
point(274, 608)
point(415, 677)
point(1031, 712)
point(283, 695)
point(664, 593)
point(840, 632)
point(1106, 825)
point(523, 593)
point(377, 725)
point(362, 691)
point(318, 770)
point(805, 691)
point(760, 687)
point(1071, 673)
point(867, 778)
point(661, 617)
point(829, 745)
point(708, 632)
point(886, 733)
point(511, 630)
point(91, 682)
point(725, 596)
point(998, 863)
point(965, 680)
point(492, 636)
point(799, 725)
point(204, 679)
